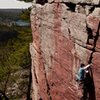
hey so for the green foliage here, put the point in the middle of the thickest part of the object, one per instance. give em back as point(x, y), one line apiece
point(14, 53)
point(25, 15)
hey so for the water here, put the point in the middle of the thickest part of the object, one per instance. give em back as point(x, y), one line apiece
point(22, 23)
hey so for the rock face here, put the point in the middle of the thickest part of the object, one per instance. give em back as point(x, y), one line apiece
point(65, 34)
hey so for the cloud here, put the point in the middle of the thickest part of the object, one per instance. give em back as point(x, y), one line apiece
point(10, 4)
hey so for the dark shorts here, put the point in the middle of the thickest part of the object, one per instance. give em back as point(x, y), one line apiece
point(81, 83)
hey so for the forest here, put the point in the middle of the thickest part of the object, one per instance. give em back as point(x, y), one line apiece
point(15, 60)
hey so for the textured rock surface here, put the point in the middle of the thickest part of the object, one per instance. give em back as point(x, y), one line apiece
point(92, 2)
point(65, 34)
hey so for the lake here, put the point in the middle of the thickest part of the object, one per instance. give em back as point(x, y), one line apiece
point(22, 23)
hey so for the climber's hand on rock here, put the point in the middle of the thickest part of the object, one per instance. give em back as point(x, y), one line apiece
point(91, 64)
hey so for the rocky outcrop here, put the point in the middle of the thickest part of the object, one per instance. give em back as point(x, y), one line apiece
point(65, 34)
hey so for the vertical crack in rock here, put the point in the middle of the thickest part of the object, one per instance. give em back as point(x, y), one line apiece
point(48, 87)
point(35, 75)
point(90, 36)
point(47, 83)
point(91, 56)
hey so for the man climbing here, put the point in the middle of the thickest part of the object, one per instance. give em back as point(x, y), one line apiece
point(81, 75)
point(81, 72)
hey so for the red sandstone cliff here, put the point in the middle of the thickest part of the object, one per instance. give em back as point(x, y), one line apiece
point(65, 34)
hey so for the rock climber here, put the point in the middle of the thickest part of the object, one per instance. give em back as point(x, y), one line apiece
point(81, 72)
point(81, 75)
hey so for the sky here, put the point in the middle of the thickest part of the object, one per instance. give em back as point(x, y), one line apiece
point(13, 4)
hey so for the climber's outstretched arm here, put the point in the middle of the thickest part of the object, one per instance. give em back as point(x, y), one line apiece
point(87, 66)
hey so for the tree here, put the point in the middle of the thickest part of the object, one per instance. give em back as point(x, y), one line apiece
point(25, 15)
